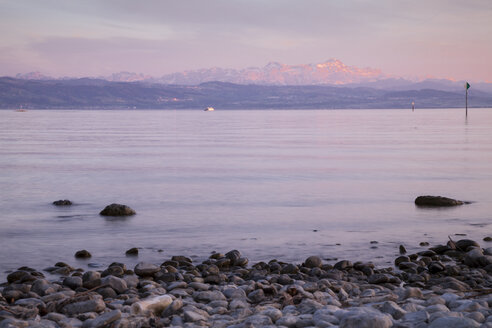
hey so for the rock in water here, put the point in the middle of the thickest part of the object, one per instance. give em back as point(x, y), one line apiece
point(117, 210)
point(83, 254)
point(437, 201)
point(62, 202)
point(132, 252)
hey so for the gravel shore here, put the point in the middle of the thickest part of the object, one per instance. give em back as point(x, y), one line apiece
point(448, 285)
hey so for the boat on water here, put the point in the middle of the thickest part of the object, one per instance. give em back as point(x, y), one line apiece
point(209, 109)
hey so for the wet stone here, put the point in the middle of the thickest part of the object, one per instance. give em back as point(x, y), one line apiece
point(117, 210)
point(72, 282)
point(436, 201)
point(401, 259)
point(233, 255)
point(40, 287)
point(117, 284)
point(464, 244)
point(132, 252)
point(343, 265)
point(359, 317)
point(256, 296)
point(453, 322)
point(208, 296)
point(92, 305)
point(104, 320)
point(313, 262)
point(83, 254)
point(62, 202)
point(146, 269)
point(91, 279)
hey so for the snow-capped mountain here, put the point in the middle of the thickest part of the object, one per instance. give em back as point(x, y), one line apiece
point(33, 76)
point(332, 71)
point(127, 77)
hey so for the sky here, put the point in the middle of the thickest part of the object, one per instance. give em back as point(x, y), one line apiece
point(408, 38)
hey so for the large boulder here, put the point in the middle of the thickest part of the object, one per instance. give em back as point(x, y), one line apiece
point(436, 201)
point(117, 210)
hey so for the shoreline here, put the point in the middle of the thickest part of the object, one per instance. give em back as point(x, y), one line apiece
point(437, 287)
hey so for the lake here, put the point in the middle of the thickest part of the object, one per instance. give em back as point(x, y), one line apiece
point(282, 184)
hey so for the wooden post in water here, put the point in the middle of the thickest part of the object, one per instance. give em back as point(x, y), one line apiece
point(413, 106)
point(467, 86)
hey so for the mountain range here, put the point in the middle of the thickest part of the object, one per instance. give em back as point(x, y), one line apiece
point(330, 84)
point(96, 94)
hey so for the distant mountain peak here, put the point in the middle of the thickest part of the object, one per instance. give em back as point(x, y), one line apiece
point(127, 77)
point(332, 71)
point(33, 76)
point(273, 65)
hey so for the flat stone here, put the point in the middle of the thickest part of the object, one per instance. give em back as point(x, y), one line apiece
point(437, 201)
point(72, 282)
point(393, 309)
point(436, 308)
point(143, 269)
point(379, 278)
point(416, 318)
point(32, 302)
point(238, 304)
point(107, 292)
point(256, 296)
point(209, 296)
point(412, 292)
point(131, 280)
point(190, 316)
point(257, 320)
point(287, 321)
point(91, 279)
point(174, 307)
point(104, 320)
point(199, 286)
point(273, 313)
point(118, 284)
point(93, 305)
point(62, 202)
point(13, 323)
point(365, 317)
point(55, 297)
point(40, 287)
point(454, 322)
point(234, 293)
point(324, 317)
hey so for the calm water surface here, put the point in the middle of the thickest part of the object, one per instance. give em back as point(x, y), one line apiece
point(273, 184)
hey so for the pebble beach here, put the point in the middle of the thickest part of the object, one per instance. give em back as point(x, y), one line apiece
point(446, 285)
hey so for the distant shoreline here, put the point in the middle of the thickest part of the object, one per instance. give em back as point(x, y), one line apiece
point(90, 93)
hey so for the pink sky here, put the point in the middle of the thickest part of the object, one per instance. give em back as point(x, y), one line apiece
point(439, 38)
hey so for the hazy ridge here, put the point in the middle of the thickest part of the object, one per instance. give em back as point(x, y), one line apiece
point(94, 93)
point(330, 84)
